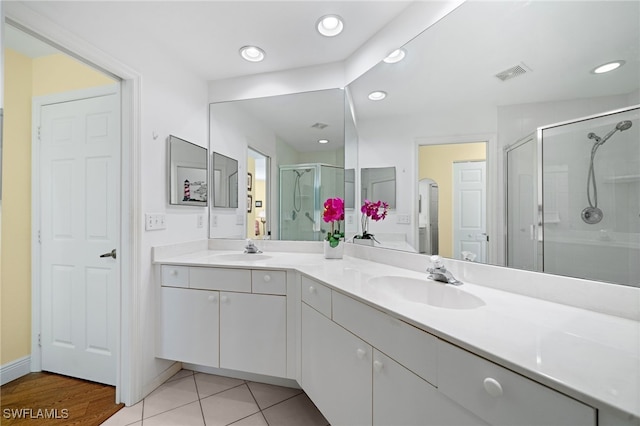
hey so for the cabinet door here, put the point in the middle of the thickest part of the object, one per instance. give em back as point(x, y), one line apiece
point(188, 326)
point(253, 329)
point(401, 398)
point(336, 370)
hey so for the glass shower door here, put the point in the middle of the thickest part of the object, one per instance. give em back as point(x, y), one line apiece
point(521, 181)
point(299, 202)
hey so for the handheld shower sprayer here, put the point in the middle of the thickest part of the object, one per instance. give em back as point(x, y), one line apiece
point(593, 214)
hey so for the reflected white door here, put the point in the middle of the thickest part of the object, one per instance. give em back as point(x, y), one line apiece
point(79, 219)
point(470, 210)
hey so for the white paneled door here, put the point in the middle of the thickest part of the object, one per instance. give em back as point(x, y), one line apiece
point(79, 159)
point(470, 211)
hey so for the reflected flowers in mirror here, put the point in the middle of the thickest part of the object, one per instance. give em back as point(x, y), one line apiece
point(375, 211)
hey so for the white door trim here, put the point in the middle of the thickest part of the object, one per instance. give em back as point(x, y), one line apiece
point(129, 381)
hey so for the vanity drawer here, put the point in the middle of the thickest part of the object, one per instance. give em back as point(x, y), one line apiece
point(502, 397)
point(269, 282)
point(317, 296)
point(175, 276)
point(415, 349)
point(224, 279)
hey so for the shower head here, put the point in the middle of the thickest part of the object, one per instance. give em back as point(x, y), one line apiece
point(303, 172)
point(623, 125)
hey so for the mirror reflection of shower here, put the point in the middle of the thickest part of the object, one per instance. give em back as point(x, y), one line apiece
point(297, 195)
point(303, 189)
point(593, 214)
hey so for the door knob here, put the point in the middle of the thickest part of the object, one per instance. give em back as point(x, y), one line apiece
point(112, 253)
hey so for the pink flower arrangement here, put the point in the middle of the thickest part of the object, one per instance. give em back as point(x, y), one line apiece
point(376, 211)
point(334, 213)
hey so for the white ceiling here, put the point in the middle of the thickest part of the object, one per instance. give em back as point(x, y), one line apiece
point(454, 61)
point(206, 35)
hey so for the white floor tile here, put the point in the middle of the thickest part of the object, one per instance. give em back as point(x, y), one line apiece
point(209, 384)
point(295, 411)
point(170, 395)
point(228, 406)
point(125, 416)
point(187, 415)
point(268, 395)
point(256, 419)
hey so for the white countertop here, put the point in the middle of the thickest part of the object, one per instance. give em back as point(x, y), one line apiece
point(591, 356)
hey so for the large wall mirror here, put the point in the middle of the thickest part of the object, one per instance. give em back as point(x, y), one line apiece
point(303, 136)
point(492, 73)
point(187, 173)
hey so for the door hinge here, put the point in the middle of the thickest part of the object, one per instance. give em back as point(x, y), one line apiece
point(39, 340)
point(39, 133)
point(39, 237)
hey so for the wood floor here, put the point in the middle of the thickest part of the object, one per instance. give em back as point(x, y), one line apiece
point(49, 399)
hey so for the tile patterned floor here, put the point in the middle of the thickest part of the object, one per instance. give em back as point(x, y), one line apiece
point(190, 398)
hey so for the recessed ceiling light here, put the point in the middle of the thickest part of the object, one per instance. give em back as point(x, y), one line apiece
point(252, 53)
point(378, 95)
point(330, 25)
point(609, 66)
point(395, 56)
point(323, 141)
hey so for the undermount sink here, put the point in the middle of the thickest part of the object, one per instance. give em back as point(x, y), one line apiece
point(425, 292)
point(242, 257)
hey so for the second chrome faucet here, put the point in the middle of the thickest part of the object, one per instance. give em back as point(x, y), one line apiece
point(438, 272)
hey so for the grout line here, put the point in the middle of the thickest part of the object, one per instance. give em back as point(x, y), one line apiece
point(204, 420)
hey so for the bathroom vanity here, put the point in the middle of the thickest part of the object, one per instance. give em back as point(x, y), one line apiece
point(402, 349)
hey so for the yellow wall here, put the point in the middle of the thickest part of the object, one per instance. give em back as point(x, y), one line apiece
point(436, 163)
point(258, 192)
point(25, 78)
point(15, 302)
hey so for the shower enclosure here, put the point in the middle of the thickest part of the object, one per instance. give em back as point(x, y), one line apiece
point(573, 198)
point(303, 190)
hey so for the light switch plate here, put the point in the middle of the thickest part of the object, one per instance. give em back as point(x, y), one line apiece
point(155, 221)
point(403, 219)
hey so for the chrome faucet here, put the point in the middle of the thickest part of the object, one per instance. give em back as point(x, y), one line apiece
point(438, 272)
point(251, 248)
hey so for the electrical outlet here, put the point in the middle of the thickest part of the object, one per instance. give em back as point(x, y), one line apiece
point(214, 220)
point(403, 219)
point(154, 222)
point(349, 219)
point(200, 221)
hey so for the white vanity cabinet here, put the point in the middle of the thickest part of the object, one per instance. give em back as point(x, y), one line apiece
point(335, 370)
point(402, 398)
point(188, 326)
point(361, 366)
point(224, 318)
point(502, 397)
point(253, 333)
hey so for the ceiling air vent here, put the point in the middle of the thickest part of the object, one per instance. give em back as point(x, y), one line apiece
point(319, 126)
point(511, 72)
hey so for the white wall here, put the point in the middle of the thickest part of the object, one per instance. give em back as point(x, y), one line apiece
point(173, 101)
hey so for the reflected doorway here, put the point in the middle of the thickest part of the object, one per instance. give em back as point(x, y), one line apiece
point(258, 226)
point(442, 223)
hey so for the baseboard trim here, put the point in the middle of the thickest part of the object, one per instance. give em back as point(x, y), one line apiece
point(161, 378)
point(252, 377)
point(15, 369)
